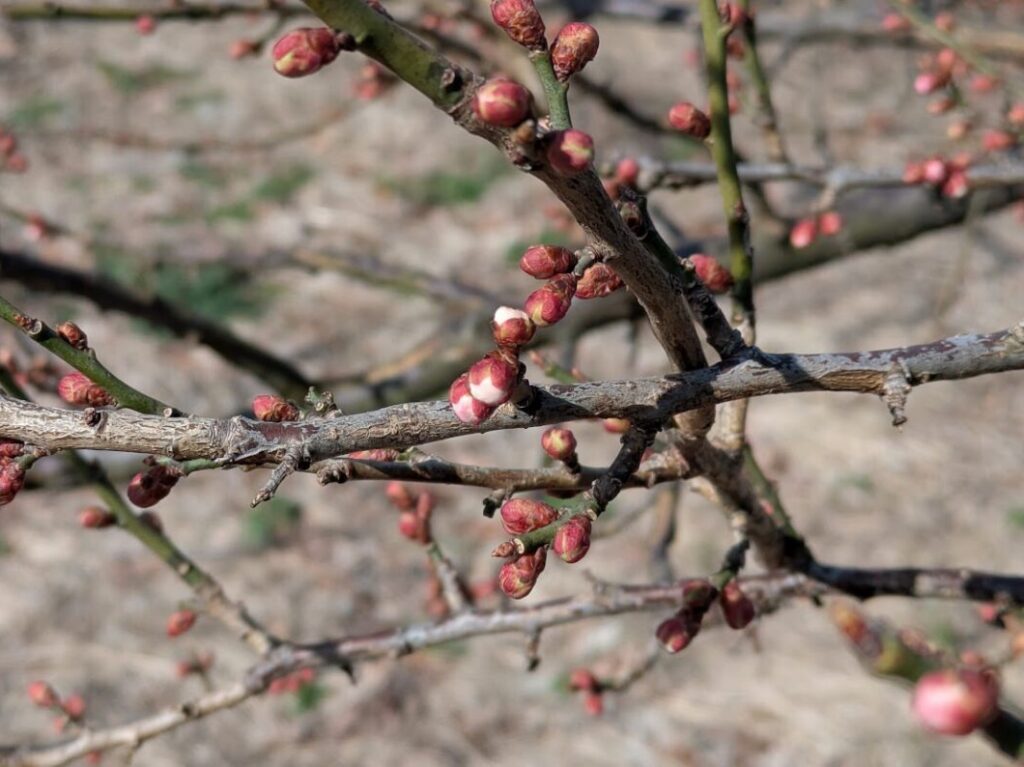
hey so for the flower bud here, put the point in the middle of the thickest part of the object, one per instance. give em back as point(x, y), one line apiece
point(935, 171)
point(73, 335)
point(894, 22)
point(493, 379)
point(583, 679)
point(698, 595)
point(304, 51)
point(982, 83)
point(502, 102)
point(382, 454)
point(830, 223)
point(41, 694)
point(560, 444)
point(94, 517)
point(737, 608)
point(521, 21)
point(913, 173)
point(145, 25)
point(270, 407)
point(545, 261)
point(180, 622)
point(399, 495)
point(998, 141)
point(76, 389)
point(929, 82)
point(716, 278)
point(598, 281)
point(593, 703)
point(73, 706)
point(547, 305)
point(687, 119)
point(570, 152)
point(1015, 115)
point(944, 21)
point(518, 578)
point(575, 45)
point(522, 515)
point(12, 480)
point(615, 425)
point(414, 527)
point(147, 488)
point(955, 702)
point(572, 541)
point(467, 408)
point(11, 448)
point(803, 233)
point(675, 633)
point(627, 172)
point(512, 327)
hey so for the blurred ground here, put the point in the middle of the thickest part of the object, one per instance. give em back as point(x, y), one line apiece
point(86, 610)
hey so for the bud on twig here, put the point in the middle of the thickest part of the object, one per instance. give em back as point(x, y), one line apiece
point(93, 517)
point(545, 261)
point(687, 119)
point(521, 21)
point(598, 281)
point(180, 622)
point(12, 480)
point(675, 633)
point(575, 45)
point(512, 327)
point(76, 389)
point(41, 694)
point(955, 702)
point(560, 444)
point(570, 152)
point(467, 408)
point(737, 608)
point(549, 304)
point(399, 495)
point(518, 578)
point(304, 51)
point(270, 407)
point(522, 515)
point(572, 541)
point(73, 335)
point(502, 102)
point(493, 379)
point(147, 488)
point(716, 278)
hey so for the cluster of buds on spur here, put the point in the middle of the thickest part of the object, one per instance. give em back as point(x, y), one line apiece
point(598, 280)
point(71, 708)
point(148, 488)
point(675, 633)
point(414, 512)
point(76, 389)
point(807, 230)
point(947, 176)
point(303, 51)
point(11, 160)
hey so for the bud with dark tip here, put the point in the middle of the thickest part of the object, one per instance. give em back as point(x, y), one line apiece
point(147, 488)
point(521, 21)
point(737, 608)
point(687, 119)
point(675, 633)
point(803, 233)
point(93, 517)
point(575, 45)
point(41, 694)
point(304, 51)
point(512, 327)
point(243, 48)
point(493, 379)
point(467, 408)
point(180, 622)
point(76, 389)
point(716, 278)
point(572, 541)
point(955, 702)
point(545, 261)
point(502, 102)
point(560, 444)
point(73, 335)
point(517, 578)
point(598, 281)
point(570, 152)
point(522, 515)
point(12, 480)
point(270, 407)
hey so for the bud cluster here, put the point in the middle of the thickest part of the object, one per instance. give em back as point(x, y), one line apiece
point(197, 663)
point(947, 176)
point(76, 389)
point(599, 280)
point(807, 230)
point(71, 707)
point(518, 576)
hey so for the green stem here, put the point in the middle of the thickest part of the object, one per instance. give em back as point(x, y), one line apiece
point(555, 91)
point(84, 361)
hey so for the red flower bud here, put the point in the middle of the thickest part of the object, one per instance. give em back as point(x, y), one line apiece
point(521, 515)
point(493, 379)
point(929, 82)
point(42, 694)
point(549, 304)
point(304, 51)
point(544, 261)
point(147, 488)
point(574, 46)
point(521, 21)
point(414, 527)
point(593, 703)
point(955, 702)
point(94, 517)
point(518, 578)
point(957, 185)
point(615, 425)
point(944, 21)
point(894, 22)
point(934, 170)
point(570, 152)
point(73, 706)
point(11, 448)
point(998, 141)
point(716, 278)
point(698, 595)
point(145, 25)
point(803, 233)
point(467, 408)
point(76, 389)
point(572, 541)
point(12, 480)
point(270, 407)
point(583, 679)
point(1015, 115)
point(830, 224)
point(502, 102)
point(399, 495)
point(598, 281)
point(15, 163)
point(560, 444)
point(377, 454)
point(913, 173)
point(73, 335)
point(180, 622)
point(675, 633)
point(512, 327)
point(686, 118)
point(737, 608)
point(627, 171)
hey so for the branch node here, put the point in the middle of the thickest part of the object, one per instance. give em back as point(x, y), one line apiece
point(895, 390)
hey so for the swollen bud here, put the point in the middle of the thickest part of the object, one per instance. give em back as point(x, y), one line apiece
point(180, 622)
point(583, 679)
point(549, 304)
point(716, 278)
point(304, 51)
point(400, 496)
point(522, 515)
point(955, 702)
point(574, 46)
point(518, 578)
point(803, 233)
point(544, 261)
point(467, 408)
point(687, 119)
point(73, 335)
point(502, 102)
point(598, 281)
point(521, 21)
point(675, 633)
point(147, 488)
point(570, 152)
point(42, 694)
point(76, 389)
point(12, 480)
point(512, 327)
point(94, 517)
point(737, 608)
point(560, 444)
point(270, 407)
point(493, 379)
point(572, 541)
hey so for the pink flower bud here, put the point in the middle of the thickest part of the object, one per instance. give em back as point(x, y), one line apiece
point(935, 170)
point(737, 608)
point(512, 327)
point(518, 578)
point(570, 152)
point(42, 695)
point(894, 22)
point(304, 51)
point(982, 83)
point(572, 541)
point(399, 495)
point(929, 82)
point(615, 425)
point(76, 389)
point(11, 448)
point(598, 281)
point(593, 703)
point(675, 633)
point(94, 517)
point(521, 21)
point(12, 480)
point(73, 335)
point(942, 105)
point(544, 261)
point(998, 141)
point(73, 706)
point(467, 408)
point(583, 679)
point(627, 171)
point(502, 102)
point(145, 25)
point(944, 21)
point(270, 407)
point(955, 702)
point(560, 444)
point(180, 622)
point(803, 233)
point(522, 515)
point(830, 224)
point(687, 119)
point(575, 45)
point(147, 488)
point(716, 278)
point(957, 185)
point(549, 304)
point(1015, 115)
point(414, 527)
point(913, 173)
point(493, 379)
